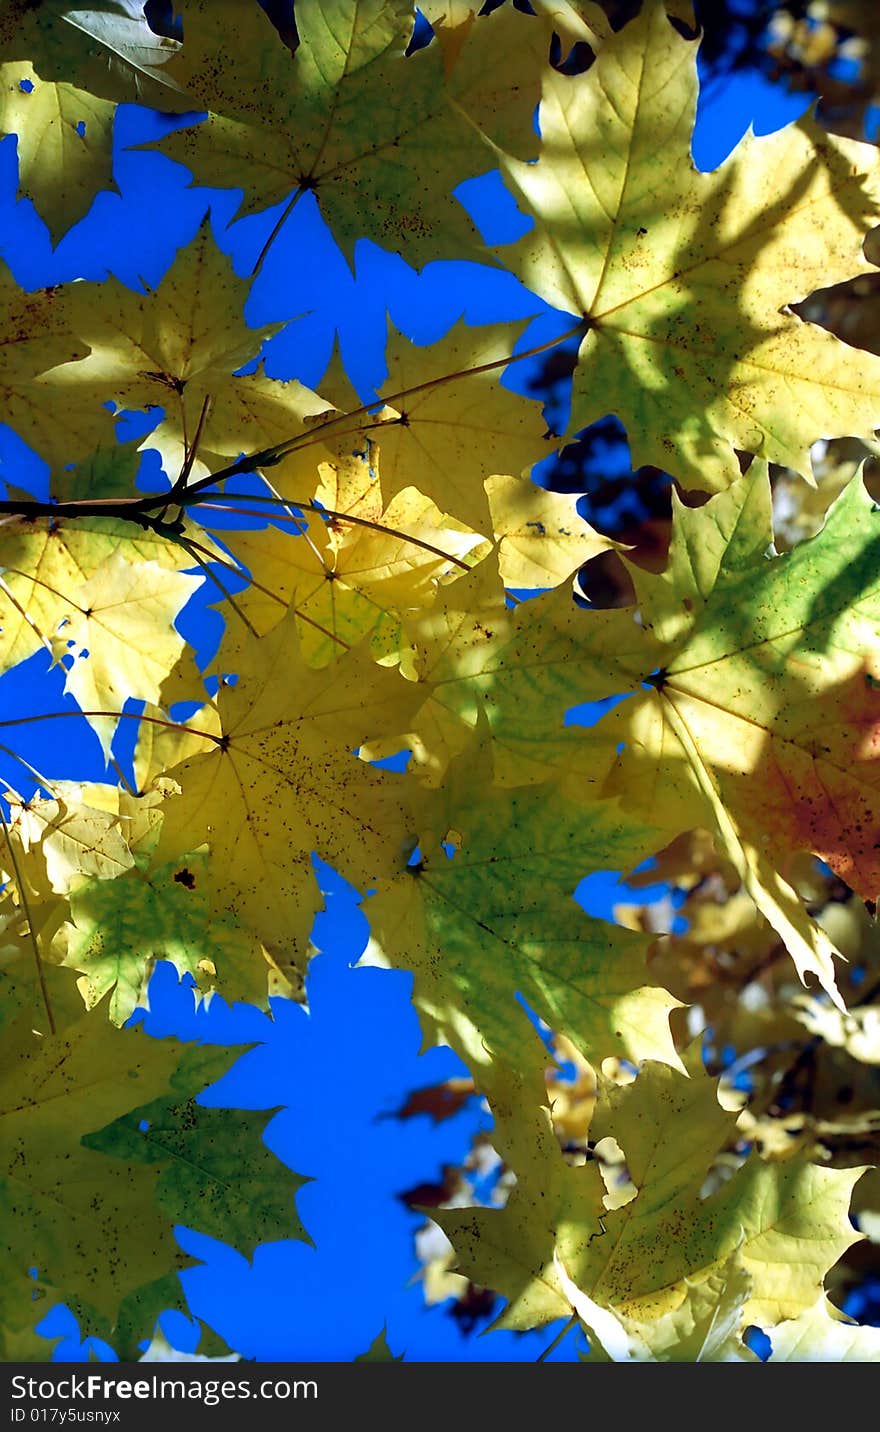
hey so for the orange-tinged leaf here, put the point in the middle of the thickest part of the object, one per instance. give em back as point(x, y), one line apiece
point(773, 674)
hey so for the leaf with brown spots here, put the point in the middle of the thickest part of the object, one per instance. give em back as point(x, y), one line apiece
point(214, 1169)
point(282, 124)
point(282, 781)
point(87, 1223)
point(107, 1148)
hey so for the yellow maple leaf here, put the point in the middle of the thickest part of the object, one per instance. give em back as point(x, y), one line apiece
point(683, 279)
point(282, 781)
point(451, 425)
point(63, 74)
point(65, 143)
point(38, 334)
point(823, 1334)
point(119, 642)
point(68, 836)
point(783, 1224)
point(103, 599)
point(351, 568)
point(177, 349)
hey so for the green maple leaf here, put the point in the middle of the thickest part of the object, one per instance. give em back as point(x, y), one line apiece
point(497, 920)
point(522, 669)
point(89, 1198)
point(315, 126)
point(204, 1175)
point(119, 928)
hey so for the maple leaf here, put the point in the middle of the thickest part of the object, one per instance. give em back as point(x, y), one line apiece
point(108, 49)
point(110, 471)
point(728, 728)
point(103, 611)
point(316, 128)
point(705, 1327)
point(38, 334)
point(177, 349)
point(199, 1153)
point(542, 539)
point(47, 566)
point(454, 425)
point(684, 279)
point(63, 74)
point(76, 833)
point(379, 1351)
point(487, 915)
point(65, 144)
point(823, 1334)
point(785, 1224)
point(656, 775)
point(121, 641)
point(86, 1183)
point(352, 569)
point(119, 928)
point(66, 1208)
point(282, 781)
point(521, 668)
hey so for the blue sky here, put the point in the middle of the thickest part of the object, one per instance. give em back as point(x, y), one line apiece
point(336, 1071)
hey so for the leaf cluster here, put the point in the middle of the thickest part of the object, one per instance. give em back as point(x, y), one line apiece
point(392, 580)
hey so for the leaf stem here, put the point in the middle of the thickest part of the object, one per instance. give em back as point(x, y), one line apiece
point(276, 230)
point(310, 506)
point(563, 1332)
point(117, 715)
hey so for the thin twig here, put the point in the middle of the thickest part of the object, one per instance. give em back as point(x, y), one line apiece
point(139, 509)
point(31, 770)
